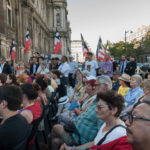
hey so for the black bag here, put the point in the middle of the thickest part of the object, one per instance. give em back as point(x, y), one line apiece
point(71, 128)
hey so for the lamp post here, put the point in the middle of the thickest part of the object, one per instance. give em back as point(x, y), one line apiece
point(126, 38)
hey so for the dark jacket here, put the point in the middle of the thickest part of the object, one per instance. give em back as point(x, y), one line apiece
point(6, 69)
point(31, 68)
point(130, 68)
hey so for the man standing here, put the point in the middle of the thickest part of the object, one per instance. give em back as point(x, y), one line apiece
point(73, 67)
point(41, 60)
point(64, 69)
point(107, 67)
point(123, 64)
point(14, 129)
point(131, 66)
point(4, 67)
point(91, 65)
point(34, 66)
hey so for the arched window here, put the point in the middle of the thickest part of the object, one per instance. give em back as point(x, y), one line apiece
point(9, 13)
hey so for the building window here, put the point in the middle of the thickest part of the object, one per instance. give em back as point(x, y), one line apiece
point(9, 13)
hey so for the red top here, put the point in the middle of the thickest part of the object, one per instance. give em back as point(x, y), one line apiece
point(118, 144)
point(35, 109)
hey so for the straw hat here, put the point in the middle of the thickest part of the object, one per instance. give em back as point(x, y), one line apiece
point(125, 77)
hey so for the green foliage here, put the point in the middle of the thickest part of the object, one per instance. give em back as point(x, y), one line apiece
point(136, 47)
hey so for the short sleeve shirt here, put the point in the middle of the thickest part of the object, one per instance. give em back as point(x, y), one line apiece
point(91, 66)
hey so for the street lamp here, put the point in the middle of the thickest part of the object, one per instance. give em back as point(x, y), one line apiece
point(129, 31)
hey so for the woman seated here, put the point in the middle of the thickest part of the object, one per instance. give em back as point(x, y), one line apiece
point(125, 84)
point(31, 108)
point(146, 88)
point(108, 109)
point(42, 81)
point(134, 92)
point(11, 79)
point(3, 78)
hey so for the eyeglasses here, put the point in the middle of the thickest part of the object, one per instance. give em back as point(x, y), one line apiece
point(99, 108)
point(132, 117)
point(98, 84)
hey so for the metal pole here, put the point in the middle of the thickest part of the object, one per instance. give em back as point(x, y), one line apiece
point(125, 40)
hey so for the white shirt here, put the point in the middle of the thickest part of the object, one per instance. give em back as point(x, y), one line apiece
point(113, 135)
point(64, 68)
point(91, 66)
point(45, 71)
point(73, 66)
point(39, 69)
point(1, 67)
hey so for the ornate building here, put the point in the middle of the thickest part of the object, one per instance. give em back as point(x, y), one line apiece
point(42, 18)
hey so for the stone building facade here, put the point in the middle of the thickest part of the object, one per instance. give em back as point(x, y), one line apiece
point(42, 18)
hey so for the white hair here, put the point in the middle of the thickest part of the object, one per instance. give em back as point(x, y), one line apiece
point(106, 80)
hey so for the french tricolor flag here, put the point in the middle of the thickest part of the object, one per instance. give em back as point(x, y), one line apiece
point(12, 50)
point(84, 47)
point(100, 53)
point(27, 44)
point(57, 43)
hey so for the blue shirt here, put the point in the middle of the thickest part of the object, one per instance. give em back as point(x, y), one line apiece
point(132, 95)
point(73, 66)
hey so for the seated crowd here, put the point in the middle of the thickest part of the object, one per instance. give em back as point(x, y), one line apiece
point(103, 112)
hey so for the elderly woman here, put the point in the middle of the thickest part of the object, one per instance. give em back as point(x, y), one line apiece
point(146, 88)
point(108, 109)
point(135, 92)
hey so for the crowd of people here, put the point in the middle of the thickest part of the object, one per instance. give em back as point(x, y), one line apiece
point(102, 105)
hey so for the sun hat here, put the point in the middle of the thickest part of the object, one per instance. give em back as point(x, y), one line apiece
point(125, 77)
point(63, 100)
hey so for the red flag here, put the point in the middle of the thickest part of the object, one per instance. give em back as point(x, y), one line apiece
point(12, 50)
point(100, 53)
point(27, 44)
point(84, 46)
point(57, 43)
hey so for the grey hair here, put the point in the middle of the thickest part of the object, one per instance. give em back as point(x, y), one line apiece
point(138, 78)
point(106, 80)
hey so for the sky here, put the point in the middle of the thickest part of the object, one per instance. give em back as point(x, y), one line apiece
point(106, 18)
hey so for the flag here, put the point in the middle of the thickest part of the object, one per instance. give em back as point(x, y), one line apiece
point(57, 43)
point(107, 47)
point(12, 50)
point(27, 44)
point(84, 46)
point(100, 53)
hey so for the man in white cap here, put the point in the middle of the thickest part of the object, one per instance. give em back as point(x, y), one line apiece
point(73, 67)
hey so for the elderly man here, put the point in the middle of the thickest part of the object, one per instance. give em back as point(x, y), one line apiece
point(86, 124)
point(138, 126)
